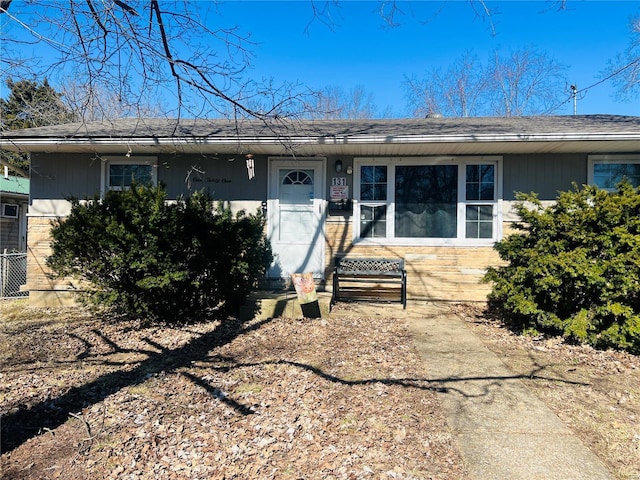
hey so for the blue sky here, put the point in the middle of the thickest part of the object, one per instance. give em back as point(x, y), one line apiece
point(358, 49)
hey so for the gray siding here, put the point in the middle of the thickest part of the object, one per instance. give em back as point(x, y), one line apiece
point(224, 177)
point(9, 234)
point(544, 174)
point(59, 176)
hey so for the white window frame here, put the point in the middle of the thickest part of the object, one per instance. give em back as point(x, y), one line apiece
point(462, 202)
point(133, 160)
point(10, 206)
point(608, 159)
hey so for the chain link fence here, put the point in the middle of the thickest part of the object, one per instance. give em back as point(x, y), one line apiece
point(13, 275)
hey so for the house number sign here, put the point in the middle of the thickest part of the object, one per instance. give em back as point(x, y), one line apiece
point(339, 191)
point(338, 181)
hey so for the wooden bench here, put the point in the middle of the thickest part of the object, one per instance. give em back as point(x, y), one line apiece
point(373, 279)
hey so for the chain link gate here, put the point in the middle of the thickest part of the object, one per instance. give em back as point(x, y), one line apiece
point(13, 275)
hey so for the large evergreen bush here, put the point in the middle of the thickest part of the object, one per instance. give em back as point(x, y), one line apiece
point(574, 267)
point(142, 256)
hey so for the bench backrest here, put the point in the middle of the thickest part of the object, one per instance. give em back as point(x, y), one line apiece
point(369, 266)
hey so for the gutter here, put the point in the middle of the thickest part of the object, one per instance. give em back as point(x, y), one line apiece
point(39, 144)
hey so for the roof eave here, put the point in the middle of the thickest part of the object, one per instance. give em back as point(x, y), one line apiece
point(283, 145)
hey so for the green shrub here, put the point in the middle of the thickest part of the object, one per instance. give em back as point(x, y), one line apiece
point(144, 257)
point(574, 267)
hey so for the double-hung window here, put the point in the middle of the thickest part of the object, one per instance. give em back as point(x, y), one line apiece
point(373, 195)
point(480, 200)
point(119, 173)
point(427, 201)
point(606, 171)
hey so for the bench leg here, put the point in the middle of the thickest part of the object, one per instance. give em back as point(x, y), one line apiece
point(334, 293)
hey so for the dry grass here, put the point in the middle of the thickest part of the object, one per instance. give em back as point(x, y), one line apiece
point(281, 398)
point(338, 398)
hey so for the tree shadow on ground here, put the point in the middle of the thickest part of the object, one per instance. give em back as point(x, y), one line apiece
point(440, 385)
point(25, 423)
point(21, 425)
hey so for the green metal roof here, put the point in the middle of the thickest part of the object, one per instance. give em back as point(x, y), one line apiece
point(14, 185)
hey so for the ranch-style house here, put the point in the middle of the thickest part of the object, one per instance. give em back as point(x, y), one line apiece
point(436, 192)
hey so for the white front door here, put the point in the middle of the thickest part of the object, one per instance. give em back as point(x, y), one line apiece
point(295, 214)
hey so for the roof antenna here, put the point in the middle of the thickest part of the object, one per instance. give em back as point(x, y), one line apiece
point(574, 94)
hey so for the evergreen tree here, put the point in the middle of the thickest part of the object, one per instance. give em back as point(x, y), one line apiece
point(30, 104)
point(573, 268)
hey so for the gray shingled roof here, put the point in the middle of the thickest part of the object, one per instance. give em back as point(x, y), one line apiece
point(171, 128)
point(358, 137)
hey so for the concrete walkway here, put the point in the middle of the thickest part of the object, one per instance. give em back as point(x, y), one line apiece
point(502, 430)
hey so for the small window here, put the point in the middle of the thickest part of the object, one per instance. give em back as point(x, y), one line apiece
point(479, 221)
point(373, 185)
point(120, 174)
point(297, 177)
point(606, 171)
point(10, 210)
point(124, 175)
point(373, 221)
point(480, 182)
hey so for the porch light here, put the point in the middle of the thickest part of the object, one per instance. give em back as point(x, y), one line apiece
point(338, 166)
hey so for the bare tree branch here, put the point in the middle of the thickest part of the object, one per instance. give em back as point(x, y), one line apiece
point(483, 11)
point(624, 69)
point(334, 102)
point(125, 7)
point(524, 83)
point(142, 52)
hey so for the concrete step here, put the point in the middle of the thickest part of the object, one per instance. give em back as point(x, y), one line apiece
point(269, 304)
